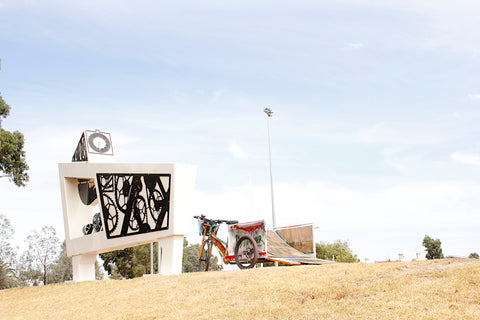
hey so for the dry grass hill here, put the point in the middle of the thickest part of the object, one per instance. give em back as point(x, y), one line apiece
point(441, 289)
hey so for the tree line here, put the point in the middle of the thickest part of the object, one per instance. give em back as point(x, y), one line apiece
point(45, 259)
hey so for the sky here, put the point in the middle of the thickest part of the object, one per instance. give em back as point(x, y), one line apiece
point(376, 107)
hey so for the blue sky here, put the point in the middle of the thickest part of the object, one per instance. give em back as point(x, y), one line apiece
point(376, 106)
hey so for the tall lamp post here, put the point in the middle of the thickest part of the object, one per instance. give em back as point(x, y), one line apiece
point(269, 115)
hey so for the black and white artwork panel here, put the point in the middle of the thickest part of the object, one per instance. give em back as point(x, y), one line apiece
point(134, 203)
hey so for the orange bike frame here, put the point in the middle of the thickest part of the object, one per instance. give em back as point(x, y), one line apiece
point(221, 245)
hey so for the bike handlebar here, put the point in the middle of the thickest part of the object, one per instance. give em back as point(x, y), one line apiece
point(216, 221)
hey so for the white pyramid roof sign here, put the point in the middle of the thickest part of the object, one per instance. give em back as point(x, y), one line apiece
point(94, 146)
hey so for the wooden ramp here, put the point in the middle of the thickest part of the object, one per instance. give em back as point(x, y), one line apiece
point(279, 250)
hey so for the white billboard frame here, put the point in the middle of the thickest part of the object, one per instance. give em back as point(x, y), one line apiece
point(84, 248)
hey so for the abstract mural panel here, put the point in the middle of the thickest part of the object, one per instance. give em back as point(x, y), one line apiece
point(134, 203)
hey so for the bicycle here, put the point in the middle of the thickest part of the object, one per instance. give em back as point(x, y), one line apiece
point(245, 252)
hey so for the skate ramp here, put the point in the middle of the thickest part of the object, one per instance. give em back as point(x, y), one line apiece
point(279, 250)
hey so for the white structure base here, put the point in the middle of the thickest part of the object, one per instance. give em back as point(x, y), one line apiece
point(84, 267)
point(171, 255)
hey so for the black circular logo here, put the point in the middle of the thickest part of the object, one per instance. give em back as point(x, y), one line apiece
point(99, 142)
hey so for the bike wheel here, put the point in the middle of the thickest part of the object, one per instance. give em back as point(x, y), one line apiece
point(155, 204)
point(246, 252)
point(204, 260)
point(139, 213)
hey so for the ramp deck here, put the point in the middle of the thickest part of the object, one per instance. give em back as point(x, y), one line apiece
point(279, 250)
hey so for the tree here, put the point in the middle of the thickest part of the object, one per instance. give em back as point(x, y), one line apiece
point(141, 259)
point(7, 251)
point(62, 268)
point(99, 274)
point(433, 248)
point(129, 263)
point(7, 276)
point(190, 259)
point(119, 263)
point(39, 259)
point(12, 155)
point(473, 255)
point(338, 250)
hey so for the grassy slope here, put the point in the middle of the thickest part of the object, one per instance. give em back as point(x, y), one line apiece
point(441, 289)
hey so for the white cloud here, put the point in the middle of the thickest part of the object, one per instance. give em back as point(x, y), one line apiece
point(372, 133)
point(458, 115)
point(355, 45)
point(237, 151)
point(217, 94)
point(466, 157)
point(474, 96)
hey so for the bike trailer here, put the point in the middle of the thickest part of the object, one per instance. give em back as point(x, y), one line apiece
point(256, 229)
point(292, 245)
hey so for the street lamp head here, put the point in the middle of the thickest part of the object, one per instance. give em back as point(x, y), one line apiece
point(268, 112)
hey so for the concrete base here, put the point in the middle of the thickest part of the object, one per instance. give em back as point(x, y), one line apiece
point(84, 267)
point(171, 255)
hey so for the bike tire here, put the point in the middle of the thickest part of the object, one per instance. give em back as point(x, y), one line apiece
point(204, 259)
point(246, 258)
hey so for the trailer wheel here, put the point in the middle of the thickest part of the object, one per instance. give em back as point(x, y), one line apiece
point(246, 252)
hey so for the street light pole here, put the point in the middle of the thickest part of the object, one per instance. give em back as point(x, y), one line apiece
point(269, 115)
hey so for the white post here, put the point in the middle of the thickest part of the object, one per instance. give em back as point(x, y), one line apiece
point(83, 266)
point(271, 175)
point(269, 115)
point(172, 254)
